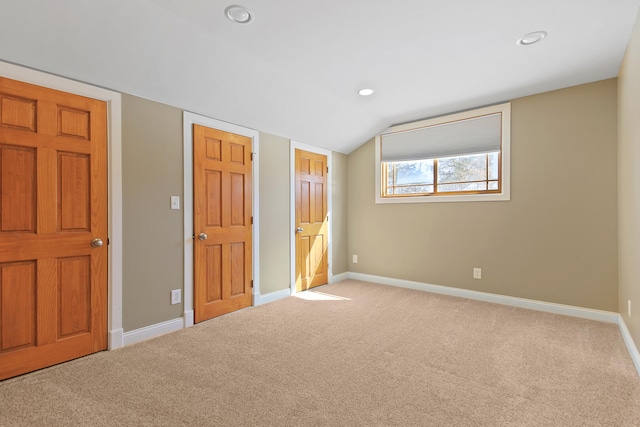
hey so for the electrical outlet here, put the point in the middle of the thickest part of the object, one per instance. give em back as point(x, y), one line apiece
point(176, 296)
point(355, 259)
point(477, 273)
point(175, 202)
point(629, 307)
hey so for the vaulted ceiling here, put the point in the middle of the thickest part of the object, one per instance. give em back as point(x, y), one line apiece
point(294, 70)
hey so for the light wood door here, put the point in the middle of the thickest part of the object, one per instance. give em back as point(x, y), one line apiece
point(222, 222)
point(312, 223)
point(53, 204)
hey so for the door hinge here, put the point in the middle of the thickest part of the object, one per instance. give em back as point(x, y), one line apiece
point(252, 157)
point(252, 283)
point(193, 236)
point(327, 169)
point(108, 241)
point(251, 220)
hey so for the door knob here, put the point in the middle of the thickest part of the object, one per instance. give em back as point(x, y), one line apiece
point(203, 236)
point(96, 243)
point(299, 229)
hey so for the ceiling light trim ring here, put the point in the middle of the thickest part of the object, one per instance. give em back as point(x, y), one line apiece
point(238, 14)
point(532, 38)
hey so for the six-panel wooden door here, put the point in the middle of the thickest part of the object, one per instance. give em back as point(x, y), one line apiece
point(312, 224)
point(222, 222)
point(53, 217)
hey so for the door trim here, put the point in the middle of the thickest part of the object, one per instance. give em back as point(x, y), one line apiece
point(292, 208)
point(187, 142)
point(114, 179)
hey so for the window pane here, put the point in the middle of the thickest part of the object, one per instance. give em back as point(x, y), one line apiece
point(389, 168)
point(461, 169)
point(469, 186)
point(493, 166)
point(414, 172)
point(414, 189)
point(493, 185)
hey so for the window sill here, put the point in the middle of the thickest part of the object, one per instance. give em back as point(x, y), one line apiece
point(496, 197)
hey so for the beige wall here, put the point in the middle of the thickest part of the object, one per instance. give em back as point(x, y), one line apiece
point(153, 247)
point(339, 214)
point(152, 242)
point(274, 213)
point(629, 184)
point(555, 240)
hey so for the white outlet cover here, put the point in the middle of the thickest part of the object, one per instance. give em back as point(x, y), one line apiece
point(175, 296)
point(175, 202)
point(477, 273)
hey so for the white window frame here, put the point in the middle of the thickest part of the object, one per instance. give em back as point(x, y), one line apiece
point(505, 153)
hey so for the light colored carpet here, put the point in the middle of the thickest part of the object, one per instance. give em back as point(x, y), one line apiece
point(364, 355)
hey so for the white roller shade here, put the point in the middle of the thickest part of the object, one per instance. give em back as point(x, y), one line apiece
point(463, 137)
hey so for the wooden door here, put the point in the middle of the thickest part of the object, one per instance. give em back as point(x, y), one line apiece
point(53, 204)
point(222, 222)
point(312, 222)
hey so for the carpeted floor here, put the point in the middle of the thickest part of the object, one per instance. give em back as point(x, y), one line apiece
point(350, 354)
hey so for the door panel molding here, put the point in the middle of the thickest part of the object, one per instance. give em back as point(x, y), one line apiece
point(62, 184)
point(222, 214)
point(189, 119)
point(292, 206)
point(114, 178)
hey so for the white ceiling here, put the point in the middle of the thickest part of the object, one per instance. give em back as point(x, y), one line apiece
point(295, 70)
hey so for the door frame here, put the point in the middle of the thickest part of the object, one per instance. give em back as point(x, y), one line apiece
point(114, 179)
point(292, 208)
point(189, 119)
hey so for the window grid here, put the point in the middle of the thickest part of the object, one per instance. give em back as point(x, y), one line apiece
point(435, 184)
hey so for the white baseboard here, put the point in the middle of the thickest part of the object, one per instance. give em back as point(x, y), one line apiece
point(188, 317)
point(338, 277)
point(271, 296)
point(549, 307)
point(152, 331)
point(115, 339)
point(631, 346)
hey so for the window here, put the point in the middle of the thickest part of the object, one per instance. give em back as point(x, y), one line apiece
point(477, 173)
point(460, 157)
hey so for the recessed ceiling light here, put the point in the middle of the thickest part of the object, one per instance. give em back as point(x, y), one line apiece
point(366, 92)
point(532, 38)
point(238, 14)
